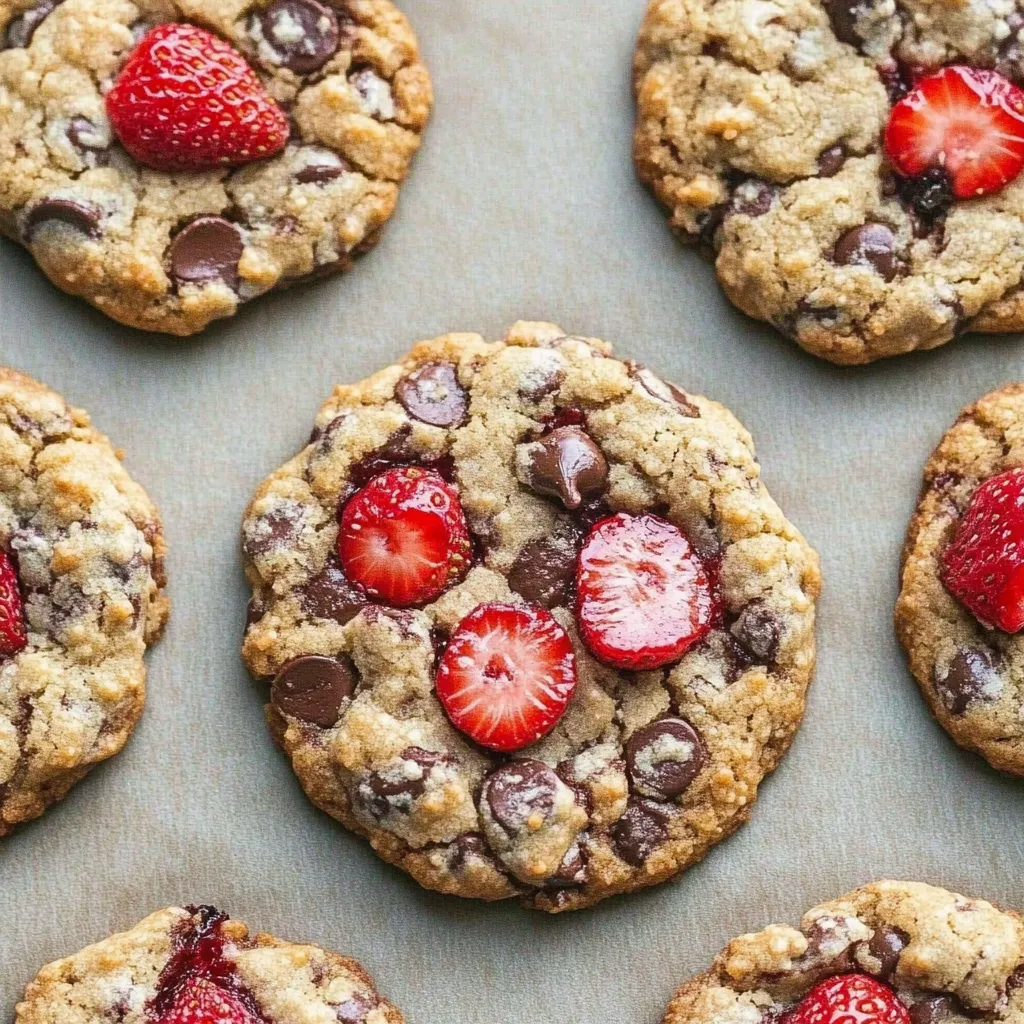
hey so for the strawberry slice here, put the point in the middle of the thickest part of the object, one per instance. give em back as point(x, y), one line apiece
point(13, 636)
point(983, 567)
point(967, 122)
point(506, 675)
point(404, 537)
point(849, 999)
point(644, 595)
point(201, 1002)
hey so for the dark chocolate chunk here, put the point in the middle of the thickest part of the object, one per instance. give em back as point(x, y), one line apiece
point(545, 570)
point(565, 464)
point(572, 871)
point(85, 137)
point(667, 392)
point(321, 167)
point(302, 34)
point(663, 758)
point(21, 29)
point(80, 215)
point(830, 161)
point(276, 529)
point(870, 245)
point(253, 612)
point(972, 676)
point(754, 198)
point(207, 249)
point(469, 844)
point(885, 945)
point(432, 394)
point(381, 792)
point(757, 631)
point(642, 828)
point(314, 688)
point(843, 16)
point(931, 1010)
point(517, 790)
point(929, 194)
point(330, 594)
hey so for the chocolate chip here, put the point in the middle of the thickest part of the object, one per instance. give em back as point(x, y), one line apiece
point(469, 844)
point(539, 382)
point(929, 194)
point(382, 792)
point(754, 198)
point(320, 167)
point(253, 612)
point(331, 595)
point(842, 14)
point(432, 394)
point(207, 249)
point(278, 528)
point(662, 390)
point(355, 1009)
point(869, 245)
point(663, 758)
point(565, 464)
point(375, 93)
point(87, 138)
point(81, 216)
point(21, 29)
point(314, 688)
point(885, 945)
point(931, 1010)
point(572, 871)
point(303, 35)
point(830, 161)
point(518, 791)
point(545, 570)
point(757, 631)
point(973, 675)
point(642, 828)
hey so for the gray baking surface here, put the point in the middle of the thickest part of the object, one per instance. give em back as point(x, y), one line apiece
point(523, 204)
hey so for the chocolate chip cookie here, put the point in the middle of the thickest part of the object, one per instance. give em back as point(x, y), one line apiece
point(81, 598)
point(889, 952)
point(260, 192)
point(196, 965)
point(958, 614)
point(531, 621)
point(817, 149)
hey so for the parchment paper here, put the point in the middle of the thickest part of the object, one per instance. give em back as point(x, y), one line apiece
point(522, 204)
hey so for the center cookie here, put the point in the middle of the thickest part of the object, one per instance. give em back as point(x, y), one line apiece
point(533, 624)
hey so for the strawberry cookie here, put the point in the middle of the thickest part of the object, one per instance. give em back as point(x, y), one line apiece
point(169, 160)
point(81, 598)
point(889, 953)
point(854, 166)
point(197, 966)
point(531, 622)
point(961, 607)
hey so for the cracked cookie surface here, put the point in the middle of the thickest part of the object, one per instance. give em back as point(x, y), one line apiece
point(171, 252)
point(88, 547)
point(760, 127)
point(949, 959)
point(971, 676)
point(645, 770)
point(149, 974)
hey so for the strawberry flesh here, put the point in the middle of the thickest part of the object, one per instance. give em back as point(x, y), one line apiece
point(849, 999)
point(13, 635)
point(644, 595)
point(200, 1001)
point(506, 676)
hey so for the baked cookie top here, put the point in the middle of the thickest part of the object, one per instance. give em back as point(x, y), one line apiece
point(171, 250)
point(918, 954)
point(81, 598)
point(612, 652)
point(184, 966)
point(769, 128)
point(968, 662)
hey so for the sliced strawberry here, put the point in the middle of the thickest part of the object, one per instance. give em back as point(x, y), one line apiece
point(404, 537)
point(506, 675)
point(644, 595)
point(849, 999)
point(967, 122)
point(13, 636)
point(202, 1002)
point(983, 566)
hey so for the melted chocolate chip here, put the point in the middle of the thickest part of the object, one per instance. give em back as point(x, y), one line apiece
point(663, 758)
point(21, 29)
point(313, 689)
point(207, 249)
point(469, 844)
point(869, 245)
point(538, 383)
point(303, 35)
point(758, 631)
point(321, 166)
point(566, 464)
point(843, 16)
point(382, 792)
point(667, 392)
point(572, 871)
point(929, 194)
point(931, 1010)
point(830, 161)
point(81, 216)
point(885, 945)
point(545, 570)
point(85, 136)
point(355, 1009)
point(276, 529)
point(330, 594)
point(432, 394)
point(972, 676)
point(518, 791)
point(754, 198)
point(642, 828)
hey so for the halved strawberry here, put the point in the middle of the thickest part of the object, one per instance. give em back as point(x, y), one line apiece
point(506, 675)
point(984, 564)
point(404, 537)
point(202, 1002)
point(849, 999)
point(967, 122)
point(644, 595)
point(13, 637)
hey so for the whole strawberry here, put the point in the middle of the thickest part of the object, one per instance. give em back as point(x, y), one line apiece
point(849, 999)
point(984, 565)
point(13, 636)
point(187, 101)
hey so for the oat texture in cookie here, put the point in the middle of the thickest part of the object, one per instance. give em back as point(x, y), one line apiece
point(958, 613)
point(851, 165)
point(532, 623)
point(340, 85)
point(891, 951)
point(195, 965)
point(81, 598)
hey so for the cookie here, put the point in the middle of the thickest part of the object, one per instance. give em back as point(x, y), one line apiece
point(81, 598)
point(203, 223)
point(532, 623)
point(775, 135)
point(889, 952)
point(968, 662)
point(184, 966)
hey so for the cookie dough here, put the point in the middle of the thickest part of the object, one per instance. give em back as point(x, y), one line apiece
point(645, 771)
point(171, 252)
point(89, 550)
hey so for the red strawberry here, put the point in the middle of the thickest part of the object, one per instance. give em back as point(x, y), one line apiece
point(984, 565)
point(966, 121)
point(644, 596)
point(202, 1002)
point(13, 636)
point(404, 537)
point(506, 676)
point(849, 999)
point(187, 101)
